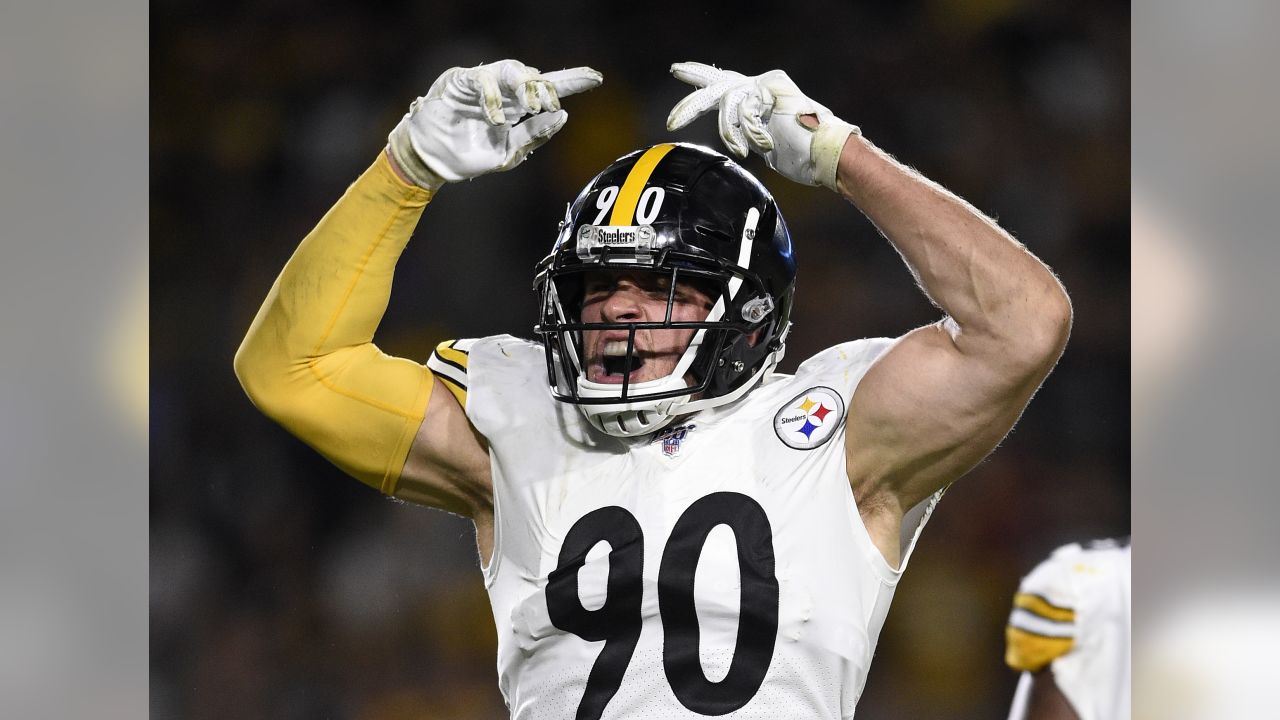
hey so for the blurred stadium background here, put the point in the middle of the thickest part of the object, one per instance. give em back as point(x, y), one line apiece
point(282, 589)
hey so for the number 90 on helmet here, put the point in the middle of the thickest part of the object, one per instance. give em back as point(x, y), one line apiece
point(692, 215)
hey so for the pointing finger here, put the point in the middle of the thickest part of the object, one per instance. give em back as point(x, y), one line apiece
point(573, 80)
point(701, 74)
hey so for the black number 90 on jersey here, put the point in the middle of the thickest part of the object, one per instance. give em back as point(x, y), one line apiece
point(619, 621)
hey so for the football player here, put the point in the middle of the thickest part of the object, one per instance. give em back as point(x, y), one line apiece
point(1069, 634)
point(667, 528)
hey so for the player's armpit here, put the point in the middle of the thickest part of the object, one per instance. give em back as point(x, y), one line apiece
point(308, 360)
point(1046, 700)
point(448, 463)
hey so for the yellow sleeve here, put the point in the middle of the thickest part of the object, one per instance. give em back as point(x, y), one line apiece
point(308, 360)
point(1038, 633)
point(1042, 624)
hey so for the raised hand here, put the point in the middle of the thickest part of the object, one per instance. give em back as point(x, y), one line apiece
point(765, 113)
point(469, 122)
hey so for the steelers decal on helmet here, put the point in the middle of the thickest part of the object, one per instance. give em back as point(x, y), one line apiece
point(809, 419)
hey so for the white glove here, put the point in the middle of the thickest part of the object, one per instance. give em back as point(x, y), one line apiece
point(762, 113)
point(465, 126)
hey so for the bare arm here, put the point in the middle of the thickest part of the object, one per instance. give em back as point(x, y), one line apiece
point(945, 394)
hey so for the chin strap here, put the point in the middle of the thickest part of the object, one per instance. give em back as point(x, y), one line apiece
point(677, 407)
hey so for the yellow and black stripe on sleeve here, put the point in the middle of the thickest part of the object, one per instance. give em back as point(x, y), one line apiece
point(449, 363)
point(1038, 632)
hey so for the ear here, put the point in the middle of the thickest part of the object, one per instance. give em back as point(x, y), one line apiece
point(753, 337)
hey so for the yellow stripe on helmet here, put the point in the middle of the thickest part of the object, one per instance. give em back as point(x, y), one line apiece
point(624, 209)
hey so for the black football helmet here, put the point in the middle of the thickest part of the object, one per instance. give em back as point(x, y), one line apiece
point(695, 216)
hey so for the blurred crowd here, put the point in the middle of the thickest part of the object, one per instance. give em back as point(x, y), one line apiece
point(282, 589)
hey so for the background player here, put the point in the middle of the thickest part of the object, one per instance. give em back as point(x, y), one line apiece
point(1069, 634)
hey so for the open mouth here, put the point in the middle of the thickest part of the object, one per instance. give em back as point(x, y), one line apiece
point(614, 363)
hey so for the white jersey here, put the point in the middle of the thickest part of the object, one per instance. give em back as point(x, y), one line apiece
point(1072, 612)
point(719, 567)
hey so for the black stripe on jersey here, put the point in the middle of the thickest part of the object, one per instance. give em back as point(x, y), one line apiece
point(445, 361)
point(453, 382)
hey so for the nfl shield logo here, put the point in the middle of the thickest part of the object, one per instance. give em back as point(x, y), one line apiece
point(673, 438)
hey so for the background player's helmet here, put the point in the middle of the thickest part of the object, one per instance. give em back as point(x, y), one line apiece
point(694, 215)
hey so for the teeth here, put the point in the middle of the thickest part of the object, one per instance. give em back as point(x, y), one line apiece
point(615, 348)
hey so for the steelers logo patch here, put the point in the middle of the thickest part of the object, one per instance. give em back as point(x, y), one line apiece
point(810, 418)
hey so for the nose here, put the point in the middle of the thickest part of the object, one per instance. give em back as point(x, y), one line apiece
point(623, 304)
